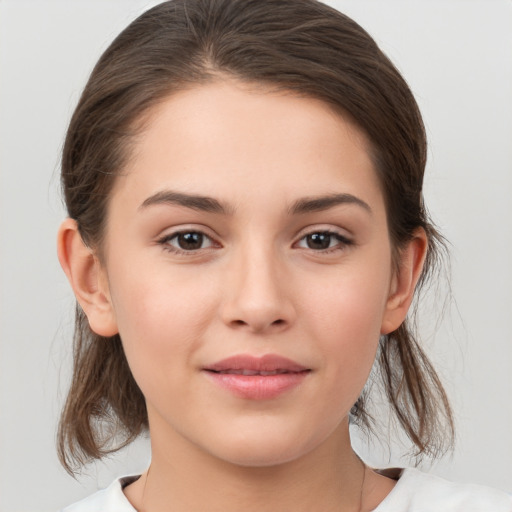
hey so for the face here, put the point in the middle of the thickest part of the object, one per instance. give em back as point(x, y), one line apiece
point(248, 267)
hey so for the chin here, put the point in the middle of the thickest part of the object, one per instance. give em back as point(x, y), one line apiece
point(265, 447)
point(260, 458)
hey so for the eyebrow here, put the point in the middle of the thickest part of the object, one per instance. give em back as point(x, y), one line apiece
point(194, 202)
point(320, 203)
point(209, 204)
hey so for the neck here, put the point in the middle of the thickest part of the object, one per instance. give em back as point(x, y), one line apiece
point(182, 478)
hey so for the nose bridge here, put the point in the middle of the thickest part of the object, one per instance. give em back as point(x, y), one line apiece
point(257, 298)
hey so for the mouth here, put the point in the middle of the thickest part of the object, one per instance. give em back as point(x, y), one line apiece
point(245, 364)
point(247, 372)
point(257, 378)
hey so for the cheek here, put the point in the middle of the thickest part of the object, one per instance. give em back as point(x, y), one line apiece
point(161, 318)
point(344, 316)
point(352, 303)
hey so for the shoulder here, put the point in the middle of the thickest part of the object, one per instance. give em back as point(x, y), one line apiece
point(111, 499)
point(416, 491)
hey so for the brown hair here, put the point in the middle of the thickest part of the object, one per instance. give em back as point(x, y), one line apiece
point(301, 46)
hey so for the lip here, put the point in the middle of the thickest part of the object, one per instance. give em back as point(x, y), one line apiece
point(257, 378)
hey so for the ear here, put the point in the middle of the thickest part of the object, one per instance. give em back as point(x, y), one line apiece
point(87, 278)
point(403, 283)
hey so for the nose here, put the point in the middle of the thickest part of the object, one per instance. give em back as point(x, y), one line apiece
point(258, 298)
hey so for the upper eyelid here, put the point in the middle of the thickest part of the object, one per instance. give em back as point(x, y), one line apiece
point(340, 237)
point(319, 228)
point(198, 228)
point(174, 234)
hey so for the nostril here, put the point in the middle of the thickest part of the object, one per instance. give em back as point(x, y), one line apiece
point(256, 325)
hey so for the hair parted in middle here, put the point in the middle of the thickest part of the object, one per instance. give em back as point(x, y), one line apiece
point(300, 46)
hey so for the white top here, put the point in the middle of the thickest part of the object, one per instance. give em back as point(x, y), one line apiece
point(414, 492)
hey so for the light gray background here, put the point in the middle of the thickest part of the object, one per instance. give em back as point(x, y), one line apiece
point(457, 57)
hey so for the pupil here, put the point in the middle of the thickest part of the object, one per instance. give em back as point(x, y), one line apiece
point(190, 241)
point(319, 240)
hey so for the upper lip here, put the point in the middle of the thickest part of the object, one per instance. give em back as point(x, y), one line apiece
point(244, 363)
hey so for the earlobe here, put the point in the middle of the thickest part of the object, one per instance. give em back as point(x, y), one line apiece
point(87, 278)
point(412, 258)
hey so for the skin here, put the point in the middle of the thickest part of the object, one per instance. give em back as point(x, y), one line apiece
point(255, 284)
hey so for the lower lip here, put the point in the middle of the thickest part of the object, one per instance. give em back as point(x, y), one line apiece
point(258, 387)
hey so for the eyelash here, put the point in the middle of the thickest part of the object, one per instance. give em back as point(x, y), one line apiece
point(342, 242)
point(166, 245)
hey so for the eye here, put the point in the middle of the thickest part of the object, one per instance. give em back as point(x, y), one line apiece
point(323, 241)
point(186, 241)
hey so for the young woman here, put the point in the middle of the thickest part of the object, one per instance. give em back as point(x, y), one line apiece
point(246, 234)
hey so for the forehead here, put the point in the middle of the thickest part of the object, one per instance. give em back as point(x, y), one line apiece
point(233, 138)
